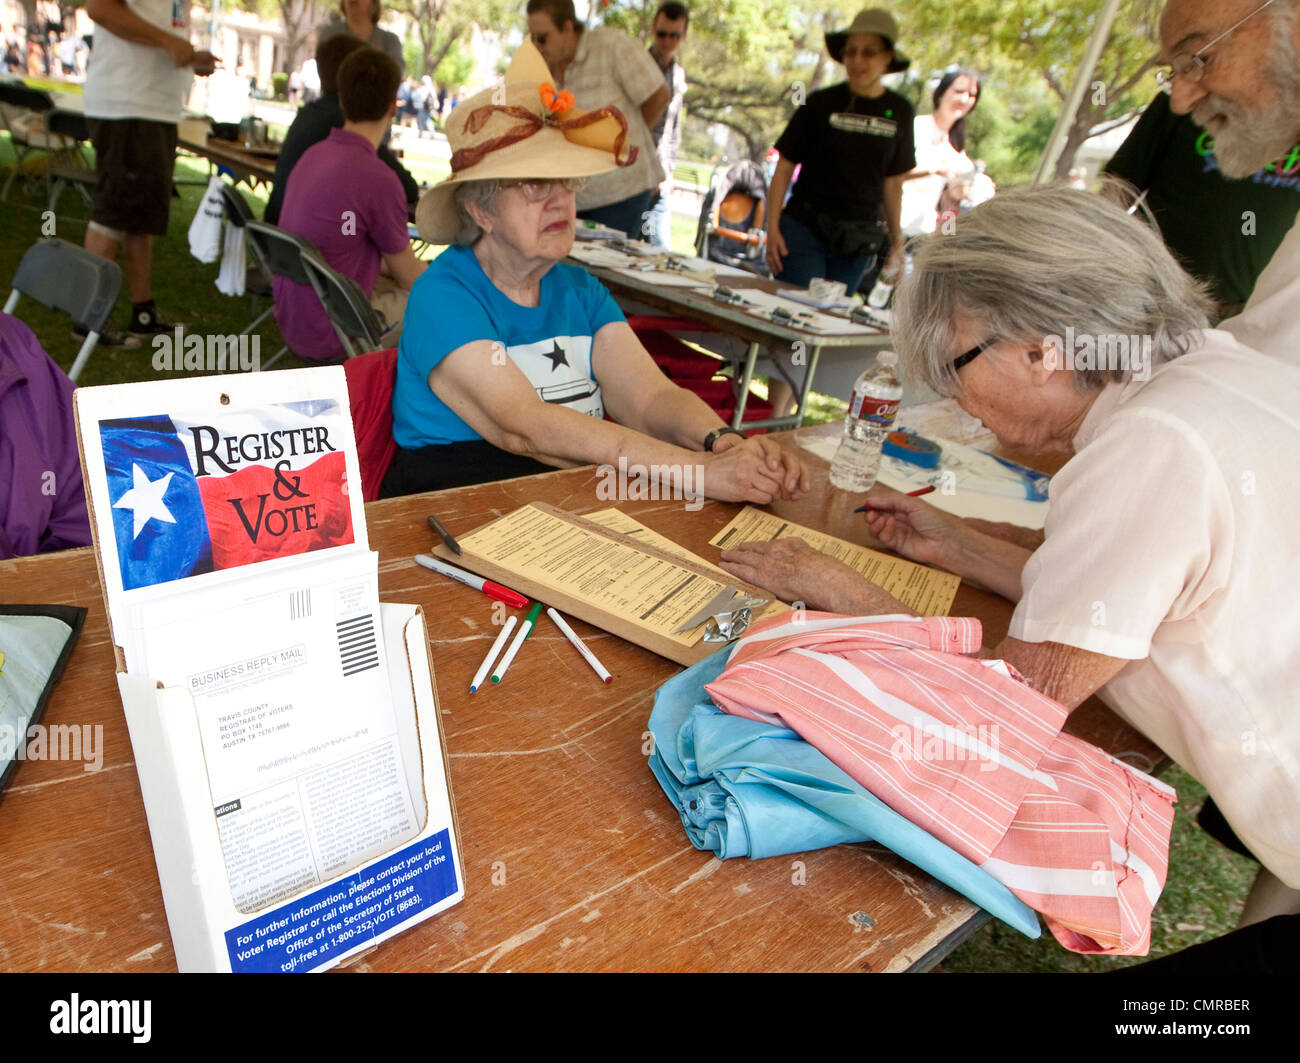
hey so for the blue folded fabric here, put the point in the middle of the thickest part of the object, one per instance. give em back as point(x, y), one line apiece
point(745, 788)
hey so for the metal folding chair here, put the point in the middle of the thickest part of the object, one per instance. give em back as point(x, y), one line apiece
point(71, 167)
point(297, 259)
point(23, 114)
point(346, 304)
point(65, 277)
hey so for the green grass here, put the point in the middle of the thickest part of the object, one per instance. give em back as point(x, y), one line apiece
point(184, 289)
point(1206, 882)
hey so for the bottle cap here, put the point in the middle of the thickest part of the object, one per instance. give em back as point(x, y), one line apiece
point(887, 358)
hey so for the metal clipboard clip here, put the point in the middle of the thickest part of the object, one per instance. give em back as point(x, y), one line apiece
point(726, 616)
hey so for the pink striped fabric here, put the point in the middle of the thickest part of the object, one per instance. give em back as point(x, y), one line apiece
point(967, 750)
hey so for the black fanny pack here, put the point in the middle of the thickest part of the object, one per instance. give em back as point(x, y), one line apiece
point(854, 238)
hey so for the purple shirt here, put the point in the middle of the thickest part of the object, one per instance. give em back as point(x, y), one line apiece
point(42, 500)
point(352, 207)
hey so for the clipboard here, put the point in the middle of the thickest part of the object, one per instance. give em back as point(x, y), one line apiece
point(704, 581)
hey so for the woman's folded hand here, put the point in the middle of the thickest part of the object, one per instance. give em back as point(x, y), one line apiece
point(755, 470)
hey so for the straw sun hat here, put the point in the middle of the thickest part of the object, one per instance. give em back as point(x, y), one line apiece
point(877, 21)
point(521, 129)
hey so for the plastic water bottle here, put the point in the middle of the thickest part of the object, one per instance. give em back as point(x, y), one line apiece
point(882, 290)
point(874, 406)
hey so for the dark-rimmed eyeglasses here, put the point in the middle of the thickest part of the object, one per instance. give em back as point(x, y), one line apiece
point(1191, 68)
point(672, 35)
point(971, 355)
point(536, 190)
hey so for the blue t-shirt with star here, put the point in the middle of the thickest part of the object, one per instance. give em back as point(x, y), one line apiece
point(454, 303)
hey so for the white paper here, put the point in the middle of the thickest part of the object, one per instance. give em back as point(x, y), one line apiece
point(761, 302)
point(228, 517)
point(965, 501)
point(290, 685)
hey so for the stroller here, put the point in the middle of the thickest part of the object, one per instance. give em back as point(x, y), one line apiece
point(731, 219)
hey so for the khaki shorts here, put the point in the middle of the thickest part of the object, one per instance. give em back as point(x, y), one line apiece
point(135, 159)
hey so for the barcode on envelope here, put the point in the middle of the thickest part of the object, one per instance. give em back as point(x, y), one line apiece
point(300, 603)
point(357, 649)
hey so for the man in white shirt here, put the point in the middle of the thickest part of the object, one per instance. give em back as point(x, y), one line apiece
point(139, 74)
point(1234, 70)
point(668, 32)
point(604, 67)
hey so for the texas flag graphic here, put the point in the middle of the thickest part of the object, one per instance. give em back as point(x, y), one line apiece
point(215, 492)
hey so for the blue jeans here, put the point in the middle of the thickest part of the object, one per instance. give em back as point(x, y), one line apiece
point(808, 258)
point(661, 223)
point(630, 216)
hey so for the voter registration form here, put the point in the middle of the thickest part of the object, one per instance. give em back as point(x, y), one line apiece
point(606, 570)
point(927, 591)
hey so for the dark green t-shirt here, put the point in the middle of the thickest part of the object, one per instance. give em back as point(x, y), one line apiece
point(1224, 231)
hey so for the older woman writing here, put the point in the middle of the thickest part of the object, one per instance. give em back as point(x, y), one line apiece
point(1167, 577)
point(509, 361)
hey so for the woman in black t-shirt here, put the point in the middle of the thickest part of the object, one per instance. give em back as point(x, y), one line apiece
point(853, 142)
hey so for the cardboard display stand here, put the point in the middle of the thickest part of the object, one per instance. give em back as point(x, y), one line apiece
point(340, 915)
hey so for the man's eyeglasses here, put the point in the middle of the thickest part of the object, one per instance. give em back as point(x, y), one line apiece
point(1191, 68)
point(866, 53)
point(672, 35)
point(537, 190)
point(971, 355)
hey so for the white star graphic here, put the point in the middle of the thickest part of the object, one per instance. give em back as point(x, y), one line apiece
point(145, 499)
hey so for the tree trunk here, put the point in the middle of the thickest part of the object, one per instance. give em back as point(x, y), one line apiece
point(1074, 138)
point(299, 17)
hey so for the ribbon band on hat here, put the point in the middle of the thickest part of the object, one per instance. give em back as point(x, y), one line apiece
point(531, 124)
point(523, 129)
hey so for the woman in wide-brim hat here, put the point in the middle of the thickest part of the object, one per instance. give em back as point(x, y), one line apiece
point(853, 144)
point(509, 361)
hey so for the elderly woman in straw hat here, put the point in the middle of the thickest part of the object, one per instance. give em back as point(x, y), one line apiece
point(509, 361)
point(1167, 576)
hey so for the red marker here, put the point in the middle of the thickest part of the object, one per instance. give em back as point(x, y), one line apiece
point(493, 590)
point(910, 494)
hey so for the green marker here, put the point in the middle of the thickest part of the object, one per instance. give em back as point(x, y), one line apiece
point(525, 629)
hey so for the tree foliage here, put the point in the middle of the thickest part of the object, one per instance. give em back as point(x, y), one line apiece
point(749, 62)
point(446, 25)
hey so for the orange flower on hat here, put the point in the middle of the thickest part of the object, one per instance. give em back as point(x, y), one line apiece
point(555, 102)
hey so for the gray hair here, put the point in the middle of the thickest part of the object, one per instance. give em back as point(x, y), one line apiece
point(1033, 262)
point(484, 194)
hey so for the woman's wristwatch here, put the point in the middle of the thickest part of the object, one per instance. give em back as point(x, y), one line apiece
point(717, 434)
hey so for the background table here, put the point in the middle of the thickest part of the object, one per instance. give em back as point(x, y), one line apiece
point(757, 332)
point(247, 166)
point(574, 859)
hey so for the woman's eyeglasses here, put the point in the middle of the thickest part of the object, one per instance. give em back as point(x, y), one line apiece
point(537, 190)
point(971, 355)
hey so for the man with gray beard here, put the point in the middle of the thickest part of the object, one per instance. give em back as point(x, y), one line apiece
point(1234, 71)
